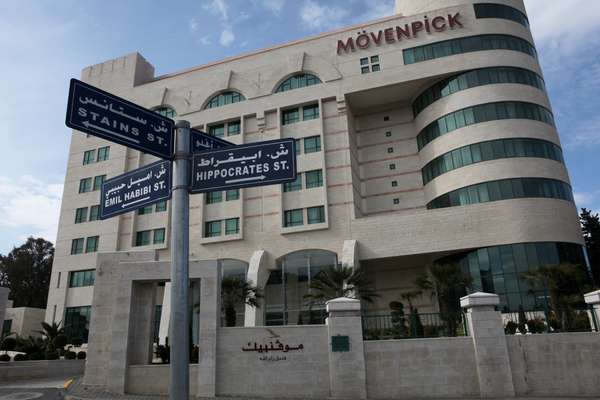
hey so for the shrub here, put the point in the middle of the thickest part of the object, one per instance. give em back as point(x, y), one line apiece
point(20, 357)
point(4, 357)
point(536, 325)
point(81, 355)
point(77, 342)
point(36, 356)
point(511, 328)
point(51, 355)
point(60, 341)
point(70, 355)
point(8, 344)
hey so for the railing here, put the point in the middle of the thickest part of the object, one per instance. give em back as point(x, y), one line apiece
point(549, 321)
point(422, 325)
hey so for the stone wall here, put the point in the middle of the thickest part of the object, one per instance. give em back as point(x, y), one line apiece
point(56, 369)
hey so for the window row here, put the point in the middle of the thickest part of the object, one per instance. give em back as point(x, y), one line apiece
point(490, 150)
point(296, 217)
point(81, 214)
point(478, 77)
point(499, 270)
point(217, 197)
point(483, 113)
point(225, 98)
point(215, 228)
point(467, 45)
point(166, 111)
point(312, 179)
point(505, 189)
point(161, 206)
point(298, 81)
point(232, 128)
point(91, 184)
point(370, 64)
point(82, 278)
point(292, 115)
point(488, 10)
point(96, 155)
point(311, 144)
point(91, 245)
point(152, 236)
point(77, 323)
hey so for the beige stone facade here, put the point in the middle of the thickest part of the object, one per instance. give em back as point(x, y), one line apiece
point(374, 198)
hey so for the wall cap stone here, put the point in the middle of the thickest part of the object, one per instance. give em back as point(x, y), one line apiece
point(342, 304)
point(592, 297)
point(479, 299)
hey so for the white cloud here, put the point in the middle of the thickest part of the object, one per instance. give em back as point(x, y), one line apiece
point(205, 40)
point(316, 16)
point(583, 134)
point(193, 25)
point(590, 200)
point(217, 7)
point(31, 206)
point(227, 37)
point(378, 9)
point(274, 6)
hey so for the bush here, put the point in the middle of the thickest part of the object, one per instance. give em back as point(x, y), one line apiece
point(51, 355)
point(81, 355)
point(8, 344)
point(536, 325)
point(77, 342)
point(511, 328)
point(4, 357)
point(36, 356)
point(61, 341)
point(20, 357)
point(70, 355)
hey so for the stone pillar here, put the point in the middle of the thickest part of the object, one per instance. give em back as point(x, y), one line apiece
point(349, 258)
point(143, 303)
point(210, 317)
point(347, 374)
point(489, 341)
point(3, 303)
point(258, 274)
point(593, 299)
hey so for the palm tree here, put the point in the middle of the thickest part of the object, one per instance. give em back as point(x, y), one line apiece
point(447, 282)
point(340, 281)
point(236, 291)
point(51, 332)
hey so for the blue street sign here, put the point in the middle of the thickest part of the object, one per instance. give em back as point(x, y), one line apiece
point(201, 141)
point(102, 114)
point(135, 189)
point(257, 164)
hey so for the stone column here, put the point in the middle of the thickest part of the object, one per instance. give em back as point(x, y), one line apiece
point(489, 341)
point(593, 299)
point(258, 274)
point(347, 375)
point(210, 317)
point(143, 304)
point(3, 303)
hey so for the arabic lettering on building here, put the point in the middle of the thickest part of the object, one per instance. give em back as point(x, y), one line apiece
point(276, 346)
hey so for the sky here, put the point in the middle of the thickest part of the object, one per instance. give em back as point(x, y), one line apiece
point(44, 43)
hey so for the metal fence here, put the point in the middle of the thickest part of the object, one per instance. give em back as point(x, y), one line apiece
point(422, 325)
point(549, 321)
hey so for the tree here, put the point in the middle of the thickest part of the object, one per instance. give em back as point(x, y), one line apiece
point(334, 282)
point(235, 291)
point(590, 225)
point(26, 272)
point(447, 282)
point(53, 333)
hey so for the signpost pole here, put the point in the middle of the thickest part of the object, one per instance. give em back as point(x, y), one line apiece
point(180, 215)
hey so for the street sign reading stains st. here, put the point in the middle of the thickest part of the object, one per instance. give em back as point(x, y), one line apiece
point(135, 189)
point(99, 113)
point(263, 163)
point(201, 141)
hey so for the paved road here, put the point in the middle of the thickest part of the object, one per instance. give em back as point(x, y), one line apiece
point(42, 389)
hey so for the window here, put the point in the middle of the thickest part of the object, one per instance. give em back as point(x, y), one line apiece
point(475, 78)
point(212, 229)
point(142, 238)
point(394, 183)
point(501, 11)
point(312, 144)
point(396, 201)
point(166, 111)
point(103, 153)
point(388, 134)
point(298, 81)
point(98, 180)
point(232, 194)
point(159, 236)
point(145, 210)
point(217, 130)
point(233, 128)
point(81, 215)
point(77, 246)
point(504, 190)
point(483, 113)
point(85, 185)
point(298, 145)
point(315, 215)
point(232, 226)
point(392, 166)
point(390, 149)
point(467, 45)
point(214, 197)
point(225, 98)
point(89, 157)
point(369, 64)
point(290, 116)
point(161, 206)
point(6, 327)
point(310, 112)
point(94, 213)
point(491, 150)
point(91, 244)
point(82, 278)
point(293, 186)
point(293, 218)
point(77, 322)
point(314, 178)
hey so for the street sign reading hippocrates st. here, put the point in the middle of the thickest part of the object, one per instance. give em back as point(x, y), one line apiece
point(105, 115)
point(257, 164)
point(135, 189)
point(201, 141)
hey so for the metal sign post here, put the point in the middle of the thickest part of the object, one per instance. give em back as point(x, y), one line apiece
point(179, 322)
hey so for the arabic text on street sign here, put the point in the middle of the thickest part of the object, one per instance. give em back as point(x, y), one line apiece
point(201, 141)
point(257, 164)
point(135, 189)
point(102, 114)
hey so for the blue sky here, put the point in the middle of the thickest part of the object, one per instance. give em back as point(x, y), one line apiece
point(45, 43)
